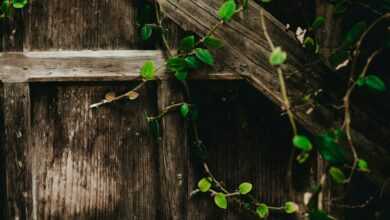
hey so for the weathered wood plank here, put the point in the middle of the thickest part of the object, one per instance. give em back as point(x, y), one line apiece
point(92, 164)
point(246, 52)
point(248, 141)
point(78, 24)
point(106, 65)
point(17, 123)
point(173, 154)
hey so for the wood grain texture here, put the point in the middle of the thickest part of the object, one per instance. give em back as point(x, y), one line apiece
point(248, 141)
point(92, 164)
point(78, 24)
point(173, 154)
point(86, 65)
point(246, 53)
point(17, 125)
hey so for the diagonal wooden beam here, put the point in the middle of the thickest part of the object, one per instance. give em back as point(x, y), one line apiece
point(105, 65)
point(246, 52)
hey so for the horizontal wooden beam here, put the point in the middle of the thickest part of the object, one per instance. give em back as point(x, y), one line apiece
point(246, 52)
point(104, 65)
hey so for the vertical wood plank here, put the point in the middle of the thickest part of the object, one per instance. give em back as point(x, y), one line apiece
point(173, 155)
point(17, 145)
point(93, 164)
point(3, 180)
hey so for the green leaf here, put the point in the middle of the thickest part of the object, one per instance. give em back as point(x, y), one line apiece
point(262, 210)
point(291, 207)
point(266, 1)
point(330, 149)
point(245, 188)
point(205, 56)
point(184, 110)
point(302, 142)
point(177, 64)
point(318, 22)
point(187, 43)
point(337, 175)
point(5, 8)
point(146, 32)
point(227, 10)
point(148, 70)
point(19, 3)
point(319, 215)
point(204, 185)
point(375, 83)
point(278, 56)
point(213, 42)
point(192, 62)
point(362, 165)
point(181, 75)
point(302, 157)
point(220, 200)
point(154, 127)
point(354, 33)
point(309, 43)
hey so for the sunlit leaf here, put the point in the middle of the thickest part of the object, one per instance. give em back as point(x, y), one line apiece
point(362, 165)
point(146, 32)
point(337, 175)
point(245, 188)
point(204, 184)
point(291, 207)
point(184, 110)
point(227, 10)
point(278, 56)
point(148, 70)
point(262, 210)
point(19, 3)
point(302, 142)
point(220, 200)
point(205, 56)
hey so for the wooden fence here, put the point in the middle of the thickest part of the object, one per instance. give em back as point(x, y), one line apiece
point(62, 160)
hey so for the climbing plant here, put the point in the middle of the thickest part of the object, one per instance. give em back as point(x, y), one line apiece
point(9, 6)
point(193, 53)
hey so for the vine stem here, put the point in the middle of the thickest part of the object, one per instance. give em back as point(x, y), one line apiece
point(283, 88)
point(352, 84)
point(114, 99)
point(285, 103)
point(347, 114)
point(166, 110)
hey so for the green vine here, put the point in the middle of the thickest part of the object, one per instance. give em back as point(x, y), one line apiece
point(193, 53)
